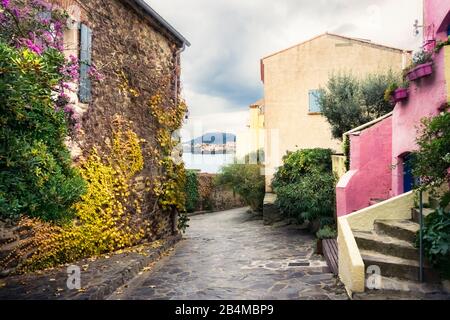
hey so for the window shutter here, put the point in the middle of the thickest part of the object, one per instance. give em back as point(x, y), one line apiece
point(84, 93)
point(314, 106)
point(448, 30)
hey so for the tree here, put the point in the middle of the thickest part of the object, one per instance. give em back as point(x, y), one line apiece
point(348, 102)
point(247, 181)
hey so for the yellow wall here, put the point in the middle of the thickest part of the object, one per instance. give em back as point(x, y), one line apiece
point(291, 74)
point(339, 167)
point(256, 127)
point(447, 70)
point(252, 139)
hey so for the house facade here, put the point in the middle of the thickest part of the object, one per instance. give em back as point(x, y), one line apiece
point(251, 140)
point(380, 151)
point(382, 235)
point(138, 54)
point(291, 80)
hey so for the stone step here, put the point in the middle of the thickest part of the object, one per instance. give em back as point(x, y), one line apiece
point(397, 267)
point(416, 214)
point(408, 286)
point(405, 230)
point(394, 288)
point(386, 245)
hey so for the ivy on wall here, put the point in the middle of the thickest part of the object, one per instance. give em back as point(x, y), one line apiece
point(106, 216)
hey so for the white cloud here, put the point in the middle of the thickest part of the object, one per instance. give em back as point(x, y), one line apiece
point(229, 37)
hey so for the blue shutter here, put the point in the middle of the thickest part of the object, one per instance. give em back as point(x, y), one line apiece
point(448, 30)
point(314, 106)
point(84, 92)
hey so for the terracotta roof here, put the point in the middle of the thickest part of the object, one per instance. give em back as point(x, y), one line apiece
point(363, 41)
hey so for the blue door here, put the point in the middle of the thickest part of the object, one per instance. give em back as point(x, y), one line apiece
point(408, 177)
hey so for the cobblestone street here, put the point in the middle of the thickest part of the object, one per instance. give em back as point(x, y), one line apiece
point(230, 255)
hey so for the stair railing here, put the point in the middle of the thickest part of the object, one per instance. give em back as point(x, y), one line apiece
point(421, 235)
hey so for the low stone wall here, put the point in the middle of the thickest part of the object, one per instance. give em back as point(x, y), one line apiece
point(215, 197)
point(271, 213)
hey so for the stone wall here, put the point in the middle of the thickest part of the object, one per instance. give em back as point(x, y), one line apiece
point(214, 197)
point(138, 60)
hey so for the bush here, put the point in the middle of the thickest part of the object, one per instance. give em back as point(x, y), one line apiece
point(348, 102)
point(305, 186)
point(191, 189)
point(247, 181)
point(297, 164)
point(311, 198)
point(436, 240)
point(327, 232)
point(431, 164)
point(36, 175)
point(432, 160)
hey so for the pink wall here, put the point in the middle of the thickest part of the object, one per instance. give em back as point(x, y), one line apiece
point(380, 147)
point(437, 14)
point(370, 169)
point(426, 96)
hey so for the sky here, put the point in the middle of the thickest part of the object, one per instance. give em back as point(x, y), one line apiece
point(221, 69)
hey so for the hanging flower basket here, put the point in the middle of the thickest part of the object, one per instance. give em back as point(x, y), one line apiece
point(400, 94)
point(422, 70)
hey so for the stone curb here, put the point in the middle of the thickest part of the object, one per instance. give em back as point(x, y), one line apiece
point(99, 278)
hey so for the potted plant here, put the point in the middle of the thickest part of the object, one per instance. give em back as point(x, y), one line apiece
point(326, 232)
point(396, 93)
point(441, 44)
point(422, 66)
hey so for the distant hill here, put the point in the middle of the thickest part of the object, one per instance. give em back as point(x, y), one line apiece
point(213, 138)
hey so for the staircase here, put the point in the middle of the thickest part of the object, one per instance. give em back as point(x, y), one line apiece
point(391, 247)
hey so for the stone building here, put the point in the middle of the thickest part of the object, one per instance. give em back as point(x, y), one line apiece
point(138, 54)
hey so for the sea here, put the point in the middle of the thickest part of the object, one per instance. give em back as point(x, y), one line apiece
point(207, 163)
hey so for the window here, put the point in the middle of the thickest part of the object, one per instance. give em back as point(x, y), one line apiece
point(314, 96)
point(84, 92)
point(448, 30)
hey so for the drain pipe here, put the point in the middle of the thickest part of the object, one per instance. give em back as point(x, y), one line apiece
point(178, 64)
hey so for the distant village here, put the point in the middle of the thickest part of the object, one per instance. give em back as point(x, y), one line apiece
point(209, 148)
point(211, 143)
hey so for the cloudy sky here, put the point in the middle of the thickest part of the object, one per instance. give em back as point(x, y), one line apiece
point(229, 37)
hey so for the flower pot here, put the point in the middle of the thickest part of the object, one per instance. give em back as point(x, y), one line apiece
point(400, 94)
point(420, 71)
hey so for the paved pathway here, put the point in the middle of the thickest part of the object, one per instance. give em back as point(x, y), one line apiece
point(229, 255)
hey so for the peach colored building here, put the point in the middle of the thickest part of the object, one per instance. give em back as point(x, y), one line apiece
point(291, 79)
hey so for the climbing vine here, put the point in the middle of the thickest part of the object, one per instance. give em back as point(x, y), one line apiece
point(169, 185)
point(105, 220)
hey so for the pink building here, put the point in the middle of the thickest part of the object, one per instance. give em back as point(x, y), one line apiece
point(379, 153)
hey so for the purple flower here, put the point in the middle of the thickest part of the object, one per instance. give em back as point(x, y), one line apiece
point(5, 3)
point(32, 46)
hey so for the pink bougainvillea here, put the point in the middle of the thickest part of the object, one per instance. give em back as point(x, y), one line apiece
point(39, 27)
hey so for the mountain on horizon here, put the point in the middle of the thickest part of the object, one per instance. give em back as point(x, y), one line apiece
point(213, 138)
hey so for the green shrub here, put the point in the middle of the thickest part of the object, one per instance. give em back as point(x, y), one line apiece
point(36, 175)
point(327, 232)
point(305, 186)
point(431, 164)
point(311, 198)
point(191, 189)
point(433, 158)
point(247, 181)
point(297, 164)
point(436, 240)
